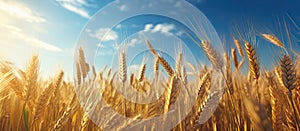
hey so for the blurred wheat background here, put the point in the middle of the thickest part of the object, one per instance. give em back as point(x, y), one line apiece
point(261, 100)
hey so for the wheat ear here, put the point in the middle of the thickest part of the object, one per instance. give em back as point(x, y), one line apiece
point(131, 79)
point(63, 119)
point(56, 85)
point(239, 47)
point(156, 67)
point(123, 75)
point(171, 93)
point(82, 63)
point(178, 65)
point(213, 56)
point(94, 72)
point(289, 81)
point(166, 66)
point(228, 73)
point(31, 78)
point(273, 39)
point(205, 108)
point(235, 59)
point(276, 104)
point(253, 61)
point(241, 52)
point(122, 67)
point(161, 60)
point(184, 77)
point(42, 101)
point(253, 66)
point(78, 73)
point(84, 123)
point(142, 73)
point(151, 48)
point(288, 72)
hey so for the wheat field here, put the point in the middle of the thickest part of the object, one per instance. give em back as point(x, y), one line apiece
point(260, 100)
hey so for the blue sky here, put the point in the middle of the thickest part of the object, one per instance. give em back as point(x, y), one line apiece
point(51, 28)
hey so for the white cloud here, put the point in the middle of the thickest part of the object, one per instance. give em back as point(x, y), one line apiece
point(134, 69)
point(76, 6)
point(161, 28)
point(134, 42)
point(83, 2)
point(21, 11)
point(119, 26)
point(123, 8)
point(100, 45)
point(180, 33)
point(16, 35)
point(104, 34)
point(88, 30)
point(148, 27)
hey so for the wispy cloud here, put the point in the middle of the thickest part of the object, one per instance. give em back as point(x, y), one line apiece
point(21, 11)
point(105, 52)
point(16, 34)
point(200, 1)
point(161, 28)
point(178, 4)
point(104, 34)
point(76, 6)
